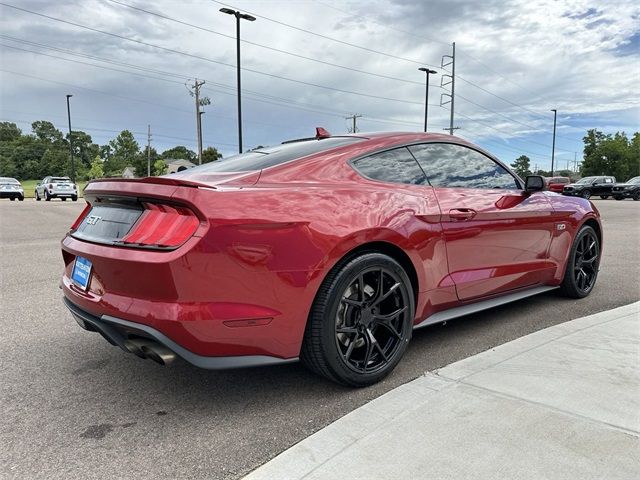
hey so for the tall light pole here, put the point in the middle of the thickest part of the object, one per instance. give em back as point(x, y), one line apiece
point(426, 93)
point(73, 165)
point(248, 17)
point(553, 146)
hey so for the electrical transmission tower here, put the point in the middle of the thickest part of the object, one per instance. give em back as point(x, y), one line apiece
point(353, 118)
point(451, 62)
point(194, 91)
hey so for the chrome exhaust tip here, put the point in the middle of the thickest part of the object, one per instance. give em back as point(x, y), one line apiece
point(159, 353)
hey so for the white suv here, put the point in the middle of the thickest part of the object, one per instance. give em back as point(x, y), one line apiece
point(56, 187)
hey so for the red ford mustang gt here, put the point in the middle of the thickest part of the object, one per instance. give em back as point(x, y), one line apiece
point(330, 250)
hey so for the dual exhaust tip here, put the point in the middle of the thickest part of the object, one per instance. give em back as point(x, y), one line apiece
point(149, 349)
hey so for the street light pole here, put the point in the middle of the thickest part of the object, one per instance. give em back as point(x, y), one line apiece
point(426, 93)
point(73, 165)
point(553, 147)
point(250, 18)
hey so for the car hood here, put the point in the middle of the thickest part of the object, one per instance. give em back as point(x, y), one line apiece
point(576, 185)
point(625, 185)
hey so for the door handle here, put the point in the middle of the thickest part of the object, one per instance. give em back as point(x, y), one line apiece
point(462, 213)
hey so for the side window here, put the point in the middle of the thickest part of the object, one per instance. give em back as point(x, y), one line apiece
point(449, 165)
point(608, 180)
point(397, 166)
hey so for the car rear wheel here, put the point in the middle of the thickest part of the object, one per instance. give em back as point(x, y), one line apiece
point(37, 196)
point(604, 197)
point(64, 199)
point(360, 322)
point(47, 197)
point(12, 199)
point(618, 197)
point(21, 198)
point(74, 198)
point(586, 194)
point(583, 264)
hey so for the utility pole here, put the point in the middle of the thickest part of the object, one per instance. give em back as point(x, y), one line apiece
point(353, 117)
point(194, 91)
point(553, 146)
point(452, 82)
point(73, 164)
point(148, 150)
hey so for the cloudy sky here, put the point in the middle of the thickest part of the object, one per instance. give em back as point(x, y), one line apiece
point(309, 63)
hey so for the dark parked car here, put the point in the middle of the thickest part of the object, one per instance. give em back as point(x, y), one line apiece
point(630, 189)
point(589, 186)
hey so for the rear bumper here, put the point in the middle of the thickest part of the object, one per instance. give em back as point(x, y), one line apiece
point(117, 331)
point(12, 194)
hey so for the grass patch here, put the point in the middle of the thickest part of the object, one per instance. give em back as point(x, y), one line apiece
point(29, 187)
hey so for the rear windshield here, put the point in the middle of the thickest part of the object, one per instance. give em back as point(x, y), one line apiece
point(270, 156)
point(12, 181)
point(60, 179)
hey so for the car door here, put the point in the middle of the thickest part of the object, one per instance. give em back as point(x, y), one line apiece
point(497, 236)
point(42, 186)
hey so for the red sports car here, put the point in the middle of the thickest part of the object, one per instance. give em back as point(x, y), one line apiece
point(330, 250)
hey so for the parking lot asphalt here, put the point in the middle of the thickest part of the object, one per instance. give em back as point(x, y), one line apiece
point(73, 406)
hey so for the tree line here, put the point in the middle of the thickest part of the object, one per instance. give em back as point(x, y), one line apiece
point(613, 154)
point(45, 151)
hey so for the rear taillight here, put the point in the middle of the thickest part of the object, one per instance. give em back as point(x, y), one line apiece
point(78, 221)
point(50, 186)
point(162, 226)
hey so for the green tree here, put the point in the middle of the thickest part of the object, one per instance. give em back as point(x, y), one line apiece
point(141, 161)
point(124, 150)
point(159, 167)
point(522, 166)
point(46, 132)
point(96, 170)
point(210, 154)
point(9, 131)
point(611, 155)
point(179, 152)
point(84, 150)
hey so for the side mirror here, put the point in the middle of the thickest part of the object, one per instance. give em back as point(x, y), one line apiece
point(534, 183)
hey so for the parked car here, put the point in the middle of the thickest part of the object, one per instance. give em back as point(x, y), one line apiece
point(556, 184)
point(630, 189)
point(589, 186)
point(330, 250)
point(56, 187)
point(11, 188)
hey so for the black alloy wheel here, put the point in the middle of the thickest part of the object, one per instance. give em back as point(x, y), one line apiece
point(636, 196)
point(584, 262)
point(586, 194)
point(361, 321)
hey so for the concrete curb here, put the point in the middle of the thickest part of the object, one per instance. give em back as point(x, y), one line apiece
point(563, 402)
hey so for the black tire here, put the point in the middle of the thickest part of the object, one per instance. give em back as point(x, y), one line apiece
point(12, 199)
point(636, 196)
point(357, 332)
point(21, 198)
point(74, 198)
point(37, 196)
point(47, 197)
point(586, 194)
point(583, 264)
point(618, 197)
point(604, 197)
point(64, 199)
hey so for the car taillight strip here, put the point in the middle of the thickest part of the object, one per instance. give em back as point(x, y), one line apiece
point(78, 221)
point(162, 226)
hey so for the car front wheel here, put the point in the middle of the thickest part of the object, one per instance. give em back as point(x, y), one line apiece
point(583, 264)
point(586, 194)
point(361, 321)
point(37, 196)
point(636, 197)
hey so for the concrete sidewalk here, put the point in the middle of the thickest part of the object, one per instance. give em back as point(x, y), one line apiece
point(561, 403)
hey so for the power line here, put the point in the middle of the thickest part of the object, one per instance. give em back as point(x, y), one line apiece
point(179, 52)
point(286, 52)
point(360, 47)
